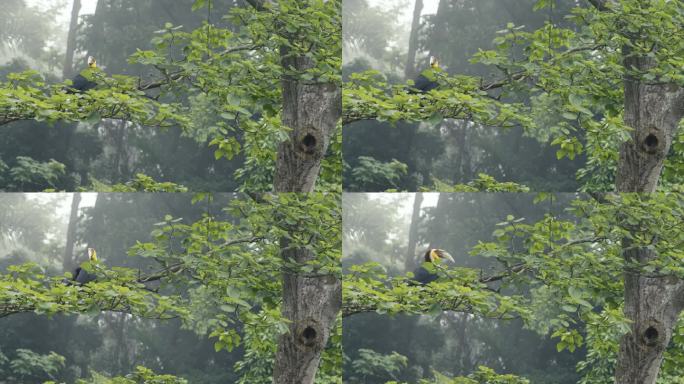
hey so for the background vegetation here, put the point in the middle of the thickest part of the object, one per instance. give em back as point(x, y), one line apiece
point(186, 289)
point(536, 292)
point(530, 91)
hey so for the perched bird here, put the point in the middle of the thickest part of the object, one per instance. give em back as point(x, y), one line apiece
point(80, 83)
point(432, 255)
point(80, 275)
point(422, 84)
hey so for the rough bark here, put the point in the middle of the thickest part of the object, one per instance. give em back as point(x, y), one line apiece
point(312, 111)
point(654, 112)
point(311, 303)
point(410, 68)
point(71, 40)
point(652, 303)
point(410, 261)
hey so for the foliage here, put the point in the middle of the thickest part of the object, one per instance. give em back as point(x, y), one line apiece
point(234, 73)
point(483, 183)
point(205, 276)
point(29, 174)
point(368, 288)
point(483, 375)
point(30, 366)
point(368, 95)
point(26, 95)
point(225, 79)
point(373, 364)
point(561, 274)
point(227, 299)
point(26, 288)
point(576, 266)
point(370, 174)
point(141, 183)
point(561, 83)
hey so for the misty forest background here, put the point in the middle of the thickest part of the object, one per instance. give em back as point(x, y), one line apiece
point(66, 156)
point(548, 149)
point(188, 95)
point(408, 156)
point(407, 348)
point(34, 229)
point(188, 286)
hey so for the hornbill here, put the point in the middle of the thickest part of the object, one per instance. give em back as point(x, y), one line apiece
point(80, 275)
point(422, 84)
point(79, 83)
point(432, 255)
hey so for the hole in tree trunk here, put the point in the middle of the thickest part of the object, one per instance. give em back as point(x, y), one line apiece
point(651, 336)
point(651, 141)
point(308, 336)
point(309, 143)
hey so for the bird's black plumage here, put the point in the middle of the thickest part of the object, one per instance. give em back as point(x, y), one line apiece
point(421, 275)
point(80, 275)
point(422, 84)
point(79, 83)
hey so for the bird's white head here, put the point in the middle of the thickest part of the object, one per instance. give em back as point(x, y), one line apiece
point(434, 63)
point(92, 255)
point(92, 63)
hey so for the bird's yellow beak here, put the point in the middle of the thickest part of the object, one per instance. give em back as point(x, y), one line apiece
point(92, 255)
point(433, 255)
point(438, 254)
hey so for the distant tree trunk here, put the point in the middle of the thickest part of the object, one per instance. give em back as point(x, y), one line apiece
point(68, 259)
point(464, 151)
point(652, 304)
point(440, 31)
point(439, 221)
point(68, 129)
point(457, 132)
point(410, 68)
point(67, 323)
point(410, 261)
point(408, 130)
point(463, 340)
point(71, 40)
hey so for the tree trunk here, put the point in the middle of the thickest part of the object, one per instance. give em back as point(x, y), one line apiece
point(312, 305)
point(410, 261)
point(312, 112)
point(71, 40)
point(654, 112)
point(410, 68)
point(68, 259)
point(652, 303)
